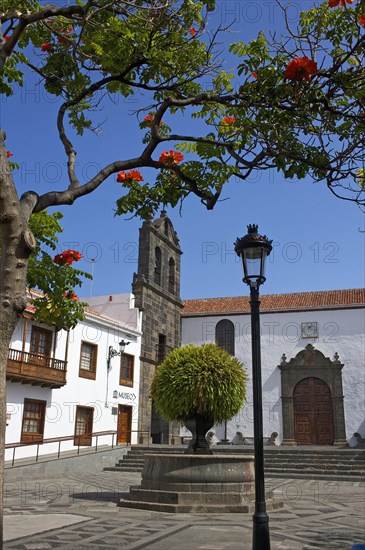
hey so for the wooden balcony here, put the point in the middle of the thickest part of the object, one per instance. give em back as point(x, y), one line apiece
point(35, 369)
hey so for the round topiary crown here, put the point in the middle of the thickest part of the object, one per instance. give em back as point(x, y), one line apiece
point(204, 380)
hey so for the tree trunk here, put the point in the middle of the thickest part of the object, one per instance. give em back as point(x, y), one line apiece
point(6, 331)
point(12, 304)
point(10, 313)
point(16, 244)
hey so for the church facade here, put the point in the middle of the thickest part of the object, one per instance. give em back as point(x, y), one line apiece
point(313, 374)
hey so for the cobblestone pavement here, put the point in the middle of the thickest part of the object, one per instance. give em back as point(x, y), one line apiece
point(80, 512)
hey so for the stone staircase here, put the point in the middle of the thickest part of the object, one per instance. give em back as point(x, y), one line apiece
point(327, 463)
point(334, 464)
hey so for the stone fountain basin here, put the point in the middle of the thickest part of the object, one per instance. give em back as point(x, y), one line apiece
point(182, 483)
point(183, 472)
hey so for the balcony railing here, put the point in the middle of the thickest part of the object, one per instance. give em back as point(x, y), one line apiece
point(35, 369)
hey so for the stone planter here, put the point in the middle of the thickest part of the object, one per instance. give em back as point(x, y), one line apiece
point(198, 425)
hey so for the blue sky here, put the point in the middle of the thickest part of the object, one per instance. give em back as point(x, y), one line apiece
point(318, 239)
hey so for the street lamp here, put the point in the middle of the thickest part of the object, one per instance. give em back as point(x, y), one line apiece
point(113, 352)
point(253, 250)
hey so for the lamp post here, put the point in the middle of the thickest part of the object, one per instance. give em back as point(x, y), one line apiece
point(113, 352)
point(253, 250)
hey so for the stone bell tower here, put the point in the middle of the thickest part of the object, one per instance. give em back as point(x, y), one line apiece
point(156, 287)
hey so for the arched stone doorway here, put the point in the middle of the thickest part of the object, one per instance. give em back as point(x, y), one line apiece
point(310, 363)
point(313, 413)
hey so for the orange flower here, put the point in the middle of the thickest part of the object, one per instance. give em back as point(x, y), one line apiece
point(76, 256)
point(8, 154)
point(67, 257)
point(254, 74)
point(150, 118)
point(71, 295)
point(46, 47)
point(229, 120)
point(63, 40)
point(132, 175)
point(192, 31)
point(335, 3)
point(300, 68)
point(62, 259)
point(362, 20)
point(171, 157)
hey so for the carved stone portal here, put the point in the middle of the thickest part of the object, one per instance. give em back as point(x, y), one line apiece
point(310, 363)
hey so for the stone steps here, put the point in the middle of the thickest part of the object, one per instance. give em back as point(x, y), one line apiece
point(124, 468)
point(189, 498)
point(308, 472)
point(187, 508)
point(320, 463)
point(336, 476)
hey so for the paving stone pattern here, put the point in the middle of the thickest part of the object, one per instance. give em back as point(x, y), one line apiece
point(326, 515)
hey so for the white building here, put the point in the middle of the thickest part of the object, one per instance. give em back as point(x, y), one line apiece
point(312, 348)
point(61, 384)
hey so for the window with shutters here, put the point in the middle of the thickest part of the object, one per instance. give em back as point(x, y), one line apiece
point(83, 425)
point(88, 357)
point(126, 369)
point(33, 421)
point(40, 346)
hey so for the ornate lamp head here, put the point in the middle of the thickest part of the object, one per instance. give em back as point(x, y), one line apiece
point(253, 250)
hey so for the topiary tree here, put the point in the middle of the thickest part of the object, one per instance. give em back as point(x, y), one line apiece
point(199, 386)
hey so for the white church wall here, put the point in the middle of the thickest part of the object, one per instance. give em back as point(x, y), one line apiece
point(339, 330)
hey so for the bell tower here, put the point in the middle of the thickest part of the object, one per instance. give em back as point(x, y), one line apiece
point(156, 287)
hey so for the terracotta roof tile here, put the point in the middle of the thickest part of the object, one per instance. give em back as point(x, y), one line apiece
point(324, 299)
